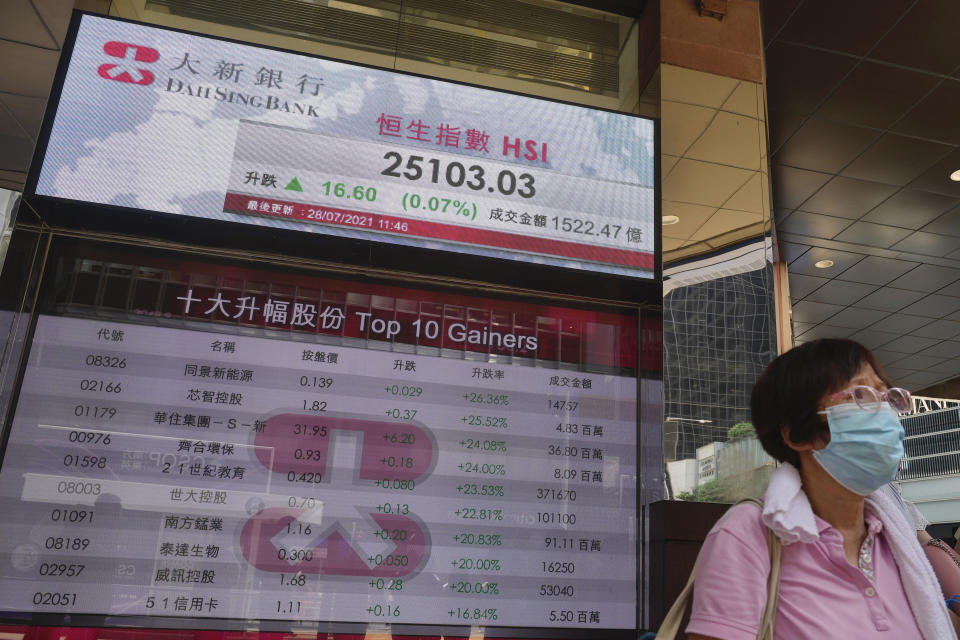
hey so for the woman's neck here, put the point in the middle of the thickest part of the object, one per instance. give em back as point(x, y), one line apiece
point(835, 504)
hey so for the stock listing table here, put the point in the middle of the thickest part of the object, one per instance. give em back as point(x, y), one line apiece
point(181, 472)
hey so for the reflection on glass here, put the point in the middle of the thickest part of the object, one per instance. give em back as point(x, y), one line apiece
point(9, 201)
point(719, 334)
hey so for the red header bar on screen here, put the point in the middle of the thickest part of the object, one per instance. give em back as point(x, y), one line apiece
point(237, 203)
point(298, 303)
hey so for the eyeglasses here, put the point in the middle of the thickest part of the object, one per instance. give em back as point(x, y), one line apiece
point(868, 398)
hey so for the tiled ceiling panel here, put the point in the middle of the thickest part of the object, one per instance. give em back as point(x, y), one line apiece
point(691, 218)
point(26, 110)
point(950, 290)
point(839, 292)
point(911, 209)
point(874, 340)
point(935, 117)
point(910, 344)
point(801, 286)
point(889, 299)
point(801, 327)
point(848, 198)
point(716, 183)
point(16, 150)
point(825, 145)
point(930, 244)
point(745, 100)
point(854, 318)
point(791, 186)
point(947, 348)
point(730, 139)
point(934, 306)
point(782, 127)
point(895, 159)
point(31, 32)
point(921, 379)
point(807, 263)
point(799, 78)
point(931, 22)
point(9, 125)
point(825, 331)
point(917, 361)
point(27, 70)
point(936, 179)
point(21, 23)
point(877, 270)
point(942, 329)
point(804, 223)
point(876, 95)
point(901, 323)
point(775, 15)
point(947, 224)
point(682, 124)
point(863, 100)
point(790, 251)
point(815, 312)
point(824, 23)
point(927, 277)
point(949, 366)
point(55, 15)
point(876, 235)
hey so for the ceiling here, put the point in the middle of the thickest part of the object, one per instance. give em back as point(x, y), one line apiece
point(714, 177)
point(31, 34)
point(863, 100)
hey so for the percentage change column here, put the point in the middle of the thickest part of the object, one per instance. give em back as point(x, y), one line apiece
point(482, 471)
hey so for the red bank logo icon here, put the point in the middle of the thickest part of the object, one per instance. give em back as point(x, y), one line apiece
point(322, 536)
point(128, 71)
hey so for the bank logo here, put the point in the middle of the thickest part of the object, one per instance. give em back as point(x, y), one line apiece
point(128, 71)
point(319, 533)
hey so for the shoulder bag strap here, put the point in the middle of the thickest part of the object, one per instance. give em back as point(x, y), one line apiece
point(670, 626)
point(773, 587)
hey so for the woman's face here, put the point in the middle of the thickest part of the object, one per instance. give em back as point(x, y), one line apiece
point(866, 376)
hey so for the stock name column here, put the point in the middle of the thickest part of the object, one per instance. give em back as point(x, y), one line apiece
point(136, 455)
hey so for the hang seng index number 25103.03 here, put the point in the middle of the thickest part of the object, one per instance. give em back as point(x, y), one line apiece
point(456, 174)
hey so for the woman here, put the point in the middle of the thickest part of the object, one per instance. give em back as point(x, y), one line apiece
point(851, 563)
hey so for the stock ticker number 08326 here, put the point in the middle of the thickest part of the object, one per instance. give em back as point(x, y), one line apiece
point(456, 174)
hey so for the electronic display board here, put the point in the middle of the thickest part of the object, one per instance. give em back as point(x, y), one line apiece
point(216, 441)
point(165, 121)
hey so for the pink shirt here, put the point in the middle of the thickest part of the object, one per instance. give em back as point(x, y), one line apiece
point(822, 595)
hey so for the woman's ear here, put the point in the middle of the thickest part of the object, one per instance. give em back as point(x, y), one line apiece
point(819, 442)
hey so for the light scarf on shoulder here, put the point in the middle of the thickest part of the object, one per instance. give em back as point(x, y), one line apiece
point(787, 511)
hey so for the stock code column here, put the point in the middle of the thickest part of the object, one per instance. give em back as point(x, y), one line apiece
point(165, 471)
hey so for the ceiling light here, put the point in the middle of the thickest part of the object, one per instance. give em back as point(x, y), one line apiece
point(955, 176)
point(669, 220)
point(823, 264)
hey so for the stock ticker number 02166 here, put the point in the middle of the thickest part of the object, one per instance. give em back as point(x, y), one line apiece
point(456, 174)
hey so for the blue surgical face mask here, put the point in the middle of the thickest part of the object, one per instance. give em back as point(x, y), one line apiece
point(866, 446)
